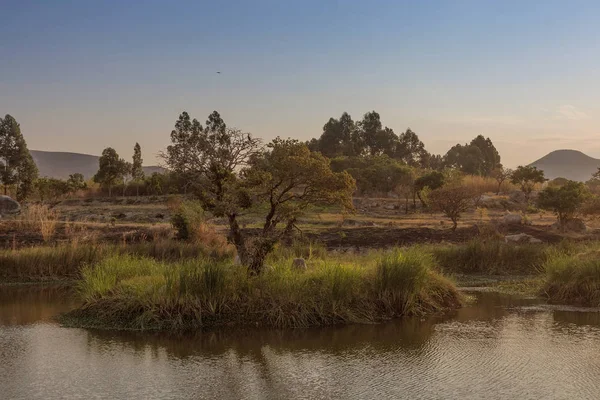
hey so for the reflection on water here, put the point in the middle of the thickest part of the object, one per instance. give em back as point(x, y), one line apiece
point(500, 347)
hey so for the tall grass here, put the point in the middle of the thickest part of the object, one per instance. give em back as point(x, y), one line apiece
point(573, 278)
point(65, 261)
point(489, 257)
point(128, 292)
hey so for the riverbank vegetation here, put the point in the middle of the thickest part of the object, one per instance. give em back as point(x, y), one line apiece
point(573, 278)
point(128, 292)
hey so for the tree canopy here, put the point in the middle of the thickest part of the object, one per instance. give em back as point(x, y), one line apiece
point(565, 201)
point(111, 169)
point(16, 164)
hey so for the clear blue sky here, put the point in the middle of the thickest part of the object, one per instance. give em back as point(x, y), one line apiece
point(83, 75)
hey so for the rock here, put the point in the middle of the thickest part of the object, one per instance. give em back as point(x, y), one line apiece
point(521, 238)
point(390, 207)
point(299, 264)
point(237, 261)
point(9, 206)
point(512, 219)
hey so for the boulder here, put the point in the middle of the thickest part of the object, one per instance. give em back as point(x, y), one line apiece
point(299, 264)
point(9, 206)
point(512, 219)
point(521, 238)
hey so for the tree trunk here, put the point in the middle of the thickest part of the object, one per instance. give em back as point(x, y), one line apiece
point(454, 224)
point(109, 191)
point(421, 200)
point(237, 238)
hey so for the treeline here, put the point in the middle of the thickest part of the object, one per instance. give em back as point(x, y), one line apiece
point(345, 138)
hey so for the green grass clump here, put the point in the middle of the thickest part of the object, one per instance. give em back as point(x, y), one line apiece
point(128, 292)
point(573, 278)
point(490, 257)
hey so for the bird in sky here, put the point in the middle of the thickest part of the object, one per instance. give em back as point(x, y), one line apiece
point(218, 72)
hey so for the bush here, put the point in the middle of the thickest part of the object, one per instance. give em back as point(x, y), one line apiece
point(186, 218)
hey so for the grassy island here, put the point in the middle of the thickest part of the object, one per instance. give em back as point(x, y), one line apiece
point(139, 293)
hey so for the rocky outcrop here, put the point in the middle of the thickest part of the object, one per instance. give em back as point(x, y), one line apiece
point(521, 238)
point(9, 206)
point(512, 219)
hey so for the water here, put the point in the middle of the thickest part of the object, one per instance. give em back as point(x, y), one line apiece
point(501, 347)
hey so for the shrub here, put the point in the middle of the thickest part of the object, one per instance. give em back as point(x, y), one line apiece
point(187, 216)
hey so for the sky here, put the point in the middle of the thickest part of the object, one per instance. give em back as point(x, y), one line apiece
point(83, 75)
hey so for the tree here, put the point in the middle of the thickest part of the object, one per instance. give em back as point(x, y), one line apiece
point(452, 200)
point(137, 172)
point(211, 159)
point(565, 201)
point(375, 139)
point(405, 187)
point(373, 175)
point(480, 157)
point(234, 173)
point(126, 176)
point(337, 138)
point(288, 178)
point(501, 174)
point(526, 178)
point(76, 182)
point(411, 150)
point(16, 164)
point(490, 157)
point(432, 180)
point(111, 169)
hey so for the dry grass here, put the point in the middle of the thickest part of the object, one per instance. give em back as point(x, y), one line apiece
point(40, 218)
point(483, 184)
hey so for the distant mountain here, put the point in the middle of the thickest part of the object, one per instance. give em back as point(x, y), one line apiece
point(570, 164)
point(55, 164)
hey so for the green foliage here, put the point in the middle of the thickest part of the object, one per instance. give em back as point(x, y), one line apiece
point(186, 218)
point(426, 183)
point(288, 178)
point(76, 182)
point(16, 164)
point(112, 169)
point(52, 188)
point(380, 174)
point(480, 157)
point(527, 177)
point(565, 201)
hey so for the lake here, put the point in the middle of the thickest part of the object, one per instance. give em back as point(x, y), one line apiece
point(498, 347)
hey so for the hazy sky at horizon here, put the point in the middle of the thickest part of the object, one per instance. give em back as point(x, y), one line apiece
point(83, 75)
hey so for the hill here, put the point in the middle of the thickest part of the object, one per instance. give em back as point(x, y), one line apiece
point(60, 165)
point(570, 164)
